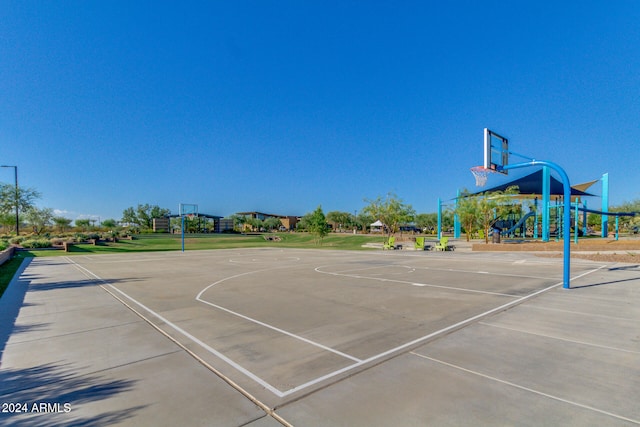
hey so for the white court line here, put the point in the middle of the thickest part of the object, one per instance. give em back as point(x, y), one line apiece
point(520, 276)
point(555, 337)
point(255, 259)
point(211, 350)
point(266, 325)
point(581, 313)
point(285, 393)
point(162, 256)
point(540, 393)
point(413, 283)
point(368, 268)
point(454, 270)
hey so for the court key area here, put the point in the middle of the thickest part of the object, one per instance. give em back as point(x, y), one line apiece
point(271, 336)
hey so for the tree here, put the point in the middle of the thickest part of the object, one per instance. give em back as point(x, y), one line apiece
point(316, 224)
point(109, 223)
point(468, 211)
point(83, 223)
point(39, 219)
point(363, 221)
point(627, 222)
point(191, 225)
point(8, 220)
point(129, 217)
point(143, 215)
point(390, 210)
point(483, 209)
point(24, 198)
point(427, 221)
point(340, 219)
point(255, 223)
point(62, 223)
point(272, 223)
point(495, 204)
point(238, 222)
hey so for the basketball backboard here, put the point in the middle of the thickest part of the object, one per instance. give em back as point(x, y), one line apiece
point(188, 209)
point(496, 151)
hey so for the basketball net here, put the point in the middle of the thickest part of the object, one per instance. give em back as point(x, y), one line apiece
point(480, 173)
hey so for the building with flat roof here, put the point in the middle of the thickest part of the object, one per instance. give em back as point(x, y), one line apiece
point(289, 222)
point(202, 223)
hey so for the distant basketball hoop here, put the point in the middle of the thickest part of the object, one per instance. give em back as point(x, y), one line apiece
point(188, 211)
point(480, 173)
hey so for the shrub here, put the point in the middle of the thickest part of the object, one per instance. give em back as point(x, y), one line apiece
point(16, 240)
point(36, 243)
point(79, 237)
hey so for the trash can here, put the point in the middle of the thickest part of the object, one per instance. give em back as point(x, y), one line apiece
point(495, 236)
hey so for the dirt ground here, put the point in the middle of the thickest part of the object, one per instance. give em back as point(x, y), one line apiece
point(605, 257)
point(607, 250)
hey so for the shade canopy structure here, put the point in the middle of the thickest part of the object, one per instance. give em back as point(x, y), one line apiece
point(530, 186)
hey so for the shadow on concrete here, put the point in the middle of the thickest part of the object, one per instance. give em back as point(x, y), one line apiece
point(632, 267)
point(10, 304)
point(611, 282)
point(49, 286)
point(57, 384)
point(50, 384)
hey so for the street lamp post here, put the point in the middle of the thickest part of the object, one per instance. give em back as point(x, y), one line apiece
point(15, 170)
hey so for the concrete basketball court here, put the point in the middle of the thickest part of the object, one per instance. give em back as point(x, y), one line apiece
point(264, 337)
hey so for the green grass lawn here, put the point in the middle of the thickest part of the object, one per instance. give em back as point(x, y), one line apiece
point(7, 270)
point(164, 242)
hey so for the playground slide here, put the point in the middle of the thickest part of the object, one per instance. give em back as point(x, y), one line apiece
point(518, 224)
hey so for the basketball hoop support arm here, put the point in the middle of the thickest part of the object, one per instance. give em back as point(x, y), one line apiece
point(566, 222)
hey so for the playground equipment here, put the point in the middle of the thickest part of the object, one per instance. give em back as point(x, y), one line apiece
point(617, 215)
point(510, 227)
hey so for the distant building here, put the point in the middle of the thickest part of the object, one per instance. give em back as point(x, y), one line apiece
point(289, 222)
point(204, 223)
point(161, 225)
point(226, 224)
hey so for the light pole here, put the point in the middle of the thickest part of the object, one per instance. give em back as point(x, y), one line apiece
point(15, 170)
point(355, 221)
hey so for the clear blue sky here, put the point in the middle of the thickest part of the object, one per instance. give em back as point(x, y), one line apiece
point(283, 106)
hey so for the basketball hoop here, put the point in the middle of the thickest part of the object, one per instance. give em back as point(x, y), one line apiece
point(480, 173)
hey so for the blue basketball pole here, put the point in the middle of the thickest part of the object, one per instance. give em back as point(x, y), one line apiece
point(566, 222)
point(546, 195)
point(456, 219)
point(439, 218)
point(605, 204)
point(182, 226)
